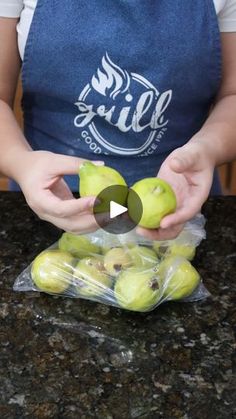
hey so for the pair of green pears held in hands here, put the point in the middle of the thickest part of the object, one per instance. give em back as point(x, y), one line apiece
point(131, 276)
point(156, 196)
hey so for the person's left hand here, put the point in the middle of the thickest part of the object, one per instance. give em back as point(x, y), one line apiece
point(189, 170)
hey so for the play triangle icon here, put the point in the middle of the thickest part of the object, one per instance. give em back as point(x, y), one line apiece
point(116, 209)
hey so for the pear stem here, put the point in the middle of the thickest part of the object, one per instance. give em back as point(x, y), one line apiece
point(157, 190)
point(87, 165)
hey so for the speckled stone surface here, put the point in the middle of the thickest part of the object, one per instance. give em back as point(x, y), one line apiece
point(62, 358)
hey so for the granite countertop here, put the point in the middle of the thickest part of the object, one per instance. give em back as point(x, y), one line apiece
point(63, 358)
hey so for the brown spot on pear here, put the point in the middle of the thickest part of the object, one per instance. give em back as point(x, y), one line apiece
point(90, 278)
point(137, 290)
point(117, 259)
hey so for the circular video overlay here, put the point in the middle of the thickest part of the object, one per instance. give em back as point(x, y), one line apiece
point(111, 212)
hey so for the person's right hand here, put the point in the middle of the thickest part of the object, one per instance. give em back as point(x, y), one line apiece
point(40, 176)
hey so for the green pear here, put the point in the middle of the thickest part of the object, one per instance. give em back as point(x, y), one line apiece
point(160, 247)
point(184, 245)
point(178, 277)
point(52, 271)
point(137, 290)
point(125, 246)
point(94, 179)
point(117, 259)
point(186, 250)
point(78, 246)
point(105, 249)
point(158, 200)
point(128, 245)
point(143, 257)
point(90, 277)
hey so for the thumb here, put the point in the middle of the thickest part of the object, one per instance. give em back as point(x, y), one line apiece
point(182, 160)
point(68, 165)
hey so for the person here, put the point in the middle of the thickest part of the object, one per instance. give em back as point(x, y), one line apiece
point(148, 88)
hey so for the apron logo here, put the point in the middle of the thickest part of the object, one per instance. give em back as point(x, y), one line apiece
point(126, 101)
point(112, 81)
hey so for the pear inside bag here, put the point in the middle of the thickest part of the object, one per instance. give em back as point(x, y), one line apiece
point(125, 271)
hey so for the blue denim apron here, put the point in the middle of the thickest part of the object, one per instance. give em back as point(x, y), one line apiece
point(124, 81)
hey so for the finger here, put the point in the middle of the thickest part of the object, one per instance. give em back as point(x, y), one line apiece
point(149, 234)
point(169, 233)
point(81, 225)
point(180, 164)
point(103, 219)
point(187, 211)
point(62, 190)
point(52, 205)
point(191, 205)
point(184, 158)
point(160, 233)
point(68, 165)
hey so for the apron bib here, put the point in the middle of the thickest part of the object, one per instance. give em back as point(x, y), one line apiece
point(126, 81)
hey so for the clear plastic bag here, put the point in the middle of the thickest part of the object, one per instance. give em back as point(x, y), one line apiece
point(126, 270)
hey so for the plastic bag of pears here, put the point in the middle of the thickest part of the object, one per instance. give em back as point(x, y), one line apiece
point(125, 270)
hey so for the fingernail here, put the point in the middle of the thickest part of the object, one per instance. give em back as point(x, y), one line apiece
point(162, 224)
point(165, 225)
point(99, 163)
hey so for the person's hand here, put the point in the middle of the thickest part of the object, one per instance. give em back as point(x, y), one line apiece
point(40, 176)
point(189, 170)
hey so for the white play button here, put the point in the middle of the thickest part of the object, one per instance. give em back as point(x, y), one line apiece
point(111, 202)
point(116, 209)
